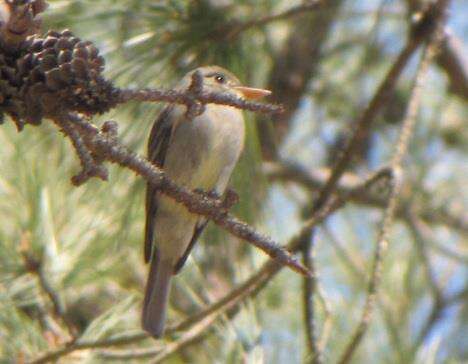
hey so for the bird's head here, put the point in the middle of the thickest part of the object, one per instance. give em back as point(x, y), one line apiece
point(217, 79)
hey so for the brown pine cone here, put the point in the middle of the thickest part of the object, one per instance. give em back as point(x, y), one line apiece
point(62, 72)
point(46, 75)
point(10, 103)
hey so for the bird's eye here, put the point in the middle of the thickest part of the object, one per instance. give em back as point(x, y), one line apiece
point(220, 78)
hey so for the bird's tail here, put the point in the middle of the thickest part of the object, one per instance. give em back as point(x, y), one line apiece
point(156, 296)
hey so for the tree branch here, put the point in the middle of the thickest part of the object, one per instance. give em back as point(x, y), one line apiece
point(35, 266)
point(301, 9)
point(396, 166)
point(420, 239)
point(364, 122)
point(294, 67)
point(451, 58)
point(233, 298)
point(309, 287)
point(314, 180)
point(191, 96)
point(90, 167)
point(186, 339)
point(305, 238)
point(361, 129)
point(108, 148)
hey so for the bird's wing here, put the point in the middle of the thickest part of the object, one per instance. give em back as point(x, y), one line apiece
point(158, 145)
point(196, 234)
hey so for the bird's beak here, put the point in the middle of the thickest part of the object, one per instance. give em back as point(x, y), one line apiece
point(251, 93)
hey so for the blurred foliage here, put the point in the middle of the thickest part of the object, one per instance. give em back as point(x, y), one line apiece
point(89, 239)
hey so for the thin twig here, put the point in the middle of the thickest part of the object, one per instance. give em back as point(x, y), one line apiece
point(355, 268)
point(130, 353)
point(188, 98)
point(303, 237)
point(420, 238)
point(233, 298)
point(77, 345)
point(90, 167)
point(159, 354)
point(35, 266)
point(309, 286)
point(295, 11)
point(327, 321)
point(186, 339)
point(451, 58)
point(314, 180)
point(306, 238)
point(436, 313)
point(427, 236)
point(295, 65)
point(362, 125)
point(307, 6)
point(396, 165)
point(361, 128)
point(335, 202)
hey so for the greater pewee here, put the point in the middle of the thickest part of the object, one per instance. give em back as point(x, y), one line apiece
point(198, 153)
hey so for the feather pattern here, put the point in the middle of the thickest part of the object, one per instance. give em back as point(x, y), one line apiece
point(158, 145)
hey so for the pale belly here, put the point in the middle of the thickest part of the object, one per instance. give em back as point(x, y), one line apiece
point(202, 156)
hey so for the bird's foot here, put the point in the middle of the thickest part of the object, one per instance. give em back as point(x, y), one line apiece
point(212, 194)
point(230, 198)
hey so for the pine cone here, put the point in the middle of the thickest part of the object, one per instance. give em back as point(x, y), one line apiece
point(48, 74)
point(61, 71)
point(10, 102)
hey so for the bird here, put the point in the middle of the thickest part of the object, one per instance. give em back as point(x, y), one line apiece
point(197, 153)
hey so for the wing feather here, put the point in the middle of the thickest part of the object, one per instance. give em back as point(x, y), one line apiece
point(196, 234)
point(158, 144)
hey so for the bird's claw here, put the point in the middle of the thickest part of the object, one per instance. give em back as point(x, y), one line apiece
point(212, 194)
point(229, 199)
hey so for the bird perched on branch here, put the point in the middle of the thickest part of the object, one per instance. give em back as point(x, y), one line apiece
point(197, 153)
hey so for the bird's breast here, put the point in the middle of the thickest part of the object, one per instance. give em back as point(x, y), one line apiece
point(205, 147)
